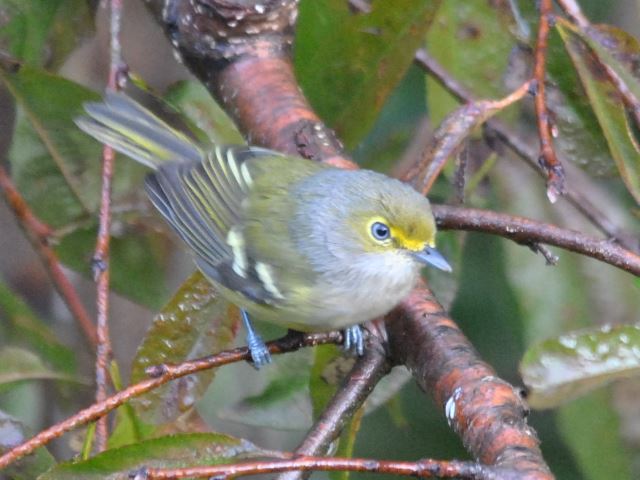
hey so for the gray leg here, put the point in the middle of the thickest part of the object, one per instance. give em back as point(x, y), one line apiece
point(354, 340)
point(259, 352)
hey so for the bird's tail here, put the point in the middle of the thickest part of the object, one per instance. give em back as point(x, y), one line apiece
point(135, 131)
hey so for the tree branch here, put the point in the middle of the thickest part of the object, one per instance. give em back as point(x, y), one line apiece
point(548, 159)
point(526, 231)
point(159, 375)
point(38, 235)
point(248, 69)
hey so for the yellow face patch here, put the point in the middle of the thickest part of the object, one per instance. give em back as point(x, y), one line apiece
point(407, 242)
point(401, 238)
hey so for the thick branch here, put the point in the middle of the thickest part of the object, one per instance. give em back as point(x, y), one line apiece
point(488, 413)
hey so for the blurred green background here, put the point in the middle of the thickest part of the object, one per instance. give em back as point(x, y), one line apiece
point(358, 73)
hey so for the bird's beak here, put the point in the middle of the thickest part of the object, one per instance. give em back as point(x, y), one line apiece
point(431, 256)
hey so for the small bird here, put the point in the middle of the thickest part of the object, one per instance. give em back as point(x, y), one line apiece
point(290, 241)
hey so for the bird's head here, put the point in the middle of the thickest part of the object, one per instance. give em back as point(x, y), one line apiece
point(401, 223)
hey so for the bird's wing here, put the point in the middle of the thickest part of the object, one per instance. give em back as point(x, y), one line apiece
point(204, 202)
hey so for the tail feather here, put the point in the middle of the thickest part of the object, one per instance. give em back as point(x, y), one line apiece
point(136, 132)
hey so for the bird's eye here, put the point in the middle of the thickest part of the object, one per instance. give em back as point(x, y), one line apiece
point(380, 231)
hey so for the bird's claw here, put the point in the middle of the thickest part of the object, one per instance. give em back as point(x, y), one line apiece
point(354, 340)
point(260, 355)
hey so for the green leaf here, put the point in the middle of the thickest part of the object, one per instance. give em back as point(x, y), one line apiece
point(27, 329)
point(39, 32)
point(259, 398)
point(198, 106)
point(471, 40)
point(347, 443)
point(195, 322)
point(608, 107)
point(348, 63)
point(561, 369)
point(137, 261)
point(12, 434)
point(589, 426)
point(616, 48)
point(174, 451)
point(58, 170)
point(18, 365)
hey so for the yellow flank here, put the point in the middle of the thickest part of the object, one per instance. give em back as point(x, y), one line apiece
point(407, 242)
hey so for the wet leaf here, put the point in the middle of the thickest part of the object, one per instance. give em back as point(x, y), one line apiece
point(348, 63)
point(19, 365)
point(194, 323)
point(616, 48)
point(172, 451)
point(13, 433)
point(608, 107)
point(558, 370)
point(25, 328)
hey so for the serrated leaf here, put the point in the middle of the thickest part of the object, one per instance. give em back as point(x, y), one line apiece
point(174, 451)
point(348, 63)
point(561, 369)
point(13, 433)
point(194, 323)
point(18, 365)
point(608, 107)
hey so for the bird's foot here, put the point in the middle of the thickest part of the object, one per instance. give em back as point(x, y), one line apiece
point(354, 340)
point(260, 355)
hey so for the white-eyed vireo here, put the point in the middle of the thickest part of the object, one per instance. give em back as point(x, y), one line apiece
point(294, 242)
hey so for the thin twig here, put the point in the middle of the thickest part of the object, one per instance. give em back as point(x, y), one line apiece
point(573, 11)
point(452, 132)
point(101, 256)
point(426, 468)
point(38, 234)
point(365, 375)
point(526, 231)
point(548, 159)
point(524, 151)
point(161, 374)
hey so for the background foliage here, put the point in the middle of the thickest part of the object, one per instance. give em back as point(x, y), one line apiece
point(358, 73)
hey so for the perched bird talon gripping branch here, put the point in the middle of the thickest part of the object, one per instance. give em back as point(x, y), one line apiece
point(290, 241)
